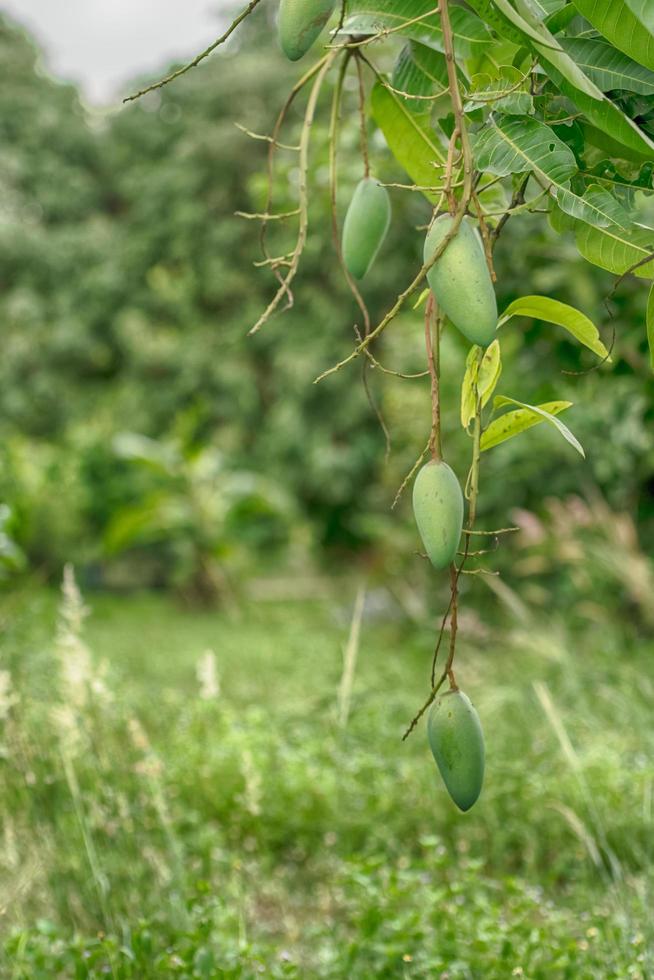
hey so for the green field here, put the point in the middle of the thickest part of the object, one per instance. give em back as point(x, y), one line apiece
point(157, 823)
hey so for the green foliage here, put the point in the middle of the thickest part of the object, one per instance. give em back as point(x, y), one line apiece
point(216, 810)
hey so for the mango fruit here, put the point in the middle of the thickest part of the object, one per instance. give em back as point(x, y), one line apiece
point(300, 22)
point(365, 227)
point(461, 282)
point(438, 510)
point(457, 743)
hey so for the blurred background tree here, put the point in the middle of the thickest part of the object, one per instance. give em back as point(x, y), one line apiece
point(126, 291)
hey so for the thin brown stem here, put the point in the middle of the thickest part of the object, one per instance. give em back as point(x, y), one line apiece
point(432, 343)
point(203, 54)
point(362, 120)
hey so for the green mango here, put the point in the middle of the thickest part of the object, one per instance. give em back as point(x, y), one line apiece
point(457, 743)
point(438, 510)
point(300, 23)
point(461, 282)
point(365, 227)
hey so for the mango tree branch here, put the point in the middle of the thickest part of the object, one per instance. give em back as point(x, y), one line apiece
point(196, 61)
point(303, 193)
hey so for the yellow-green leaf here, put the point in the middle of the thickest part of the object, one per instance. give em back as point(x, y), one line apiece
point(552, 311)
point(484, 376)
point(513, 423)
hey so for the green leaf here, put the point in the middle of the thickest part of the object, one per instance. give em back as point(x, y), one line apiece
point(607, 67)
point(552, 311)
point(521, 144)
point(470, 34)
point(650, 326)
point(513, 423)
point(502, 93)
point(409, 135)
point(644, 12)
point(420, 70)
point(485, 376)
point(629, 26)
point(618, 246)
point(524, 28)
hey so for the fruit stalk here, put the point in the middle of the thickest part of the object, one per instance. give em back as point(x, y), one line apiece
point(432, 343)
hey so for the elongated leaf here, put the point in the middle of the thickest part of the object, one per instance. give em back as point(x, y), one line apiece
point(644, 12)
point(650, 326)
point(522, 144)
point(523, 28)
point(421, 71)
point(628, 26)
point(485, 376)
point(409, 135)
point(607, 67)
point(513, 423)
point(552, 311)
point(614, 247)
point(470, 34)
point(504, 93)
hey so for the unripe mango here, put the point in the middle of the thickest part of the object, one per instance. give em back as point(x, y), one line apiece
point(438, 510)
point(300, 23)
point(457, 743)
point(461, 282)
point(365, 227)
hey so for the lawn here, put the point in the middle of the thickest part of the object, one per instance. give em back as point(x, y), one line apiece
point(173, 812)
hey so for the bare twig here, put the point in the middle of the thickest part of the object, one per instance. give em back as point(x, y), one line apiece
point(303, 194)
point(196, 61)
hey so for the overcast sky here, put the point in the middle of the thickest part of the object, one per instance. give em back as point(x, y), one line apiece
point(100, 44)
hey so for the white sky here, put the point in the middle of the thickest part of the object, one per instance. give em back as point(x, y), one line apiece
point(101, 44)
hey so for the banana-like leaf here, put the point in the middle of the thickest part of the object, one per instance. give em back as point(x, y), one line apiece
point(629, 26)
point(607, 67)
point(513, 423)
point(552, 311)
point(522, 144)
point(411, 139)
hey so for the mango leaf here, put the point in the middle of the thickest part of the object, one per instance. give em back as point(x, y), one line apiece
point(409, 135)
point(615, 248)
point(644, 12)
point(650, 326)
point(470, 34)
point(502, 93)
point(485, 376)
point(524, 28)
point(607, 67)
point(552, 311)
point(513, 423)
point(521, 144)
point(419, 70)
point(629, 26)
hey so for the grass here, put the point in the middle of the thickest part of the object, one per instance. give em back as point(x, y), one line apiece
point(160, 824)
